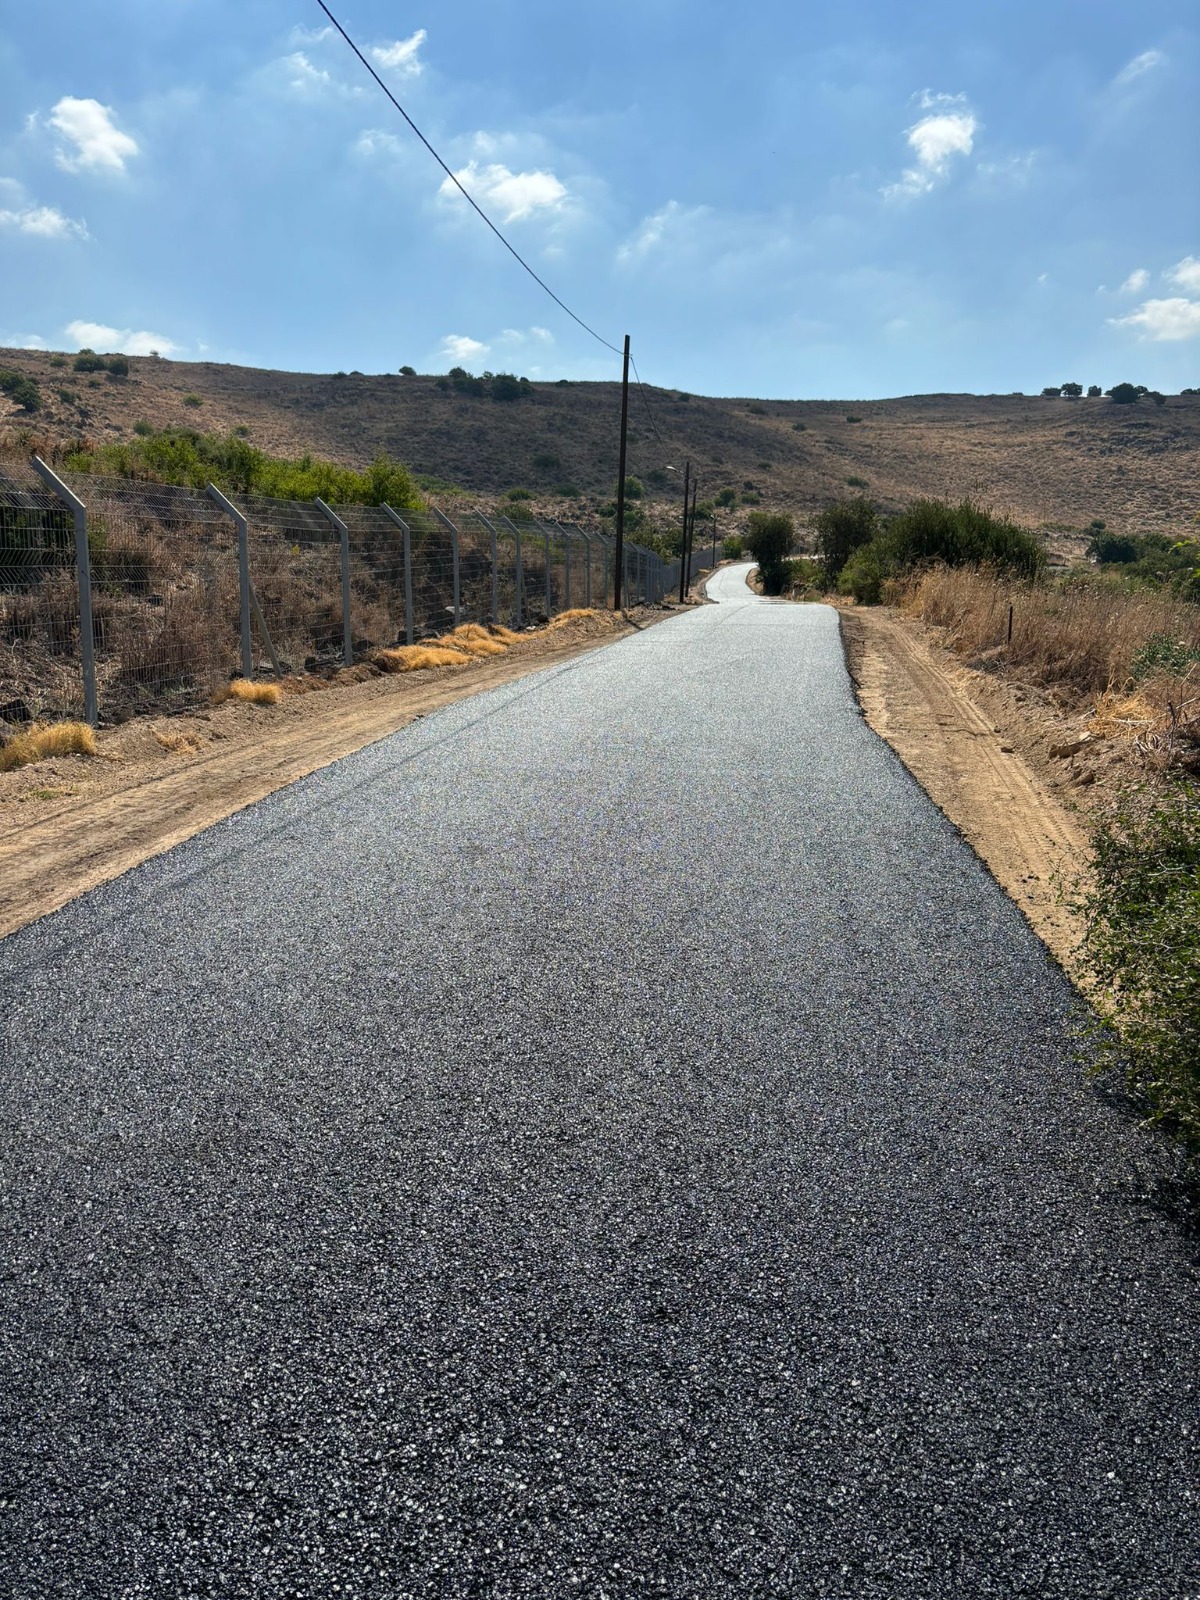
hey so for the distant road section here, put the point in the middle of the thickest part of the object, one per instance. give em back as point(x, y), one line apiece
point(609, 1138)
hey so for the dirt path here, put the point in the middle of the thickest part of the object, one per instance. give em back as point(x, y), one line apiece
point(71, 823)
point(971, 767)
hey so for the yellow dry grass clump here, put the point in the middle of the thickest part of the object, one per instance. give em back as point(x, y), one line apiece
point(473, 639)
point(413, 657)
point(245, 689)
point(47, 739)
point(576, 614)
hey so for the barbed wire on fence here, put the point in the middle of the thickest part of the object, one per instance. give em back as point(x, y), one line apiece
point(181, 600)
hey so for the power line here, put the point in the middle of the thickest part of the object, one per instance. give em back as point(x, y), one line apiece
point(646, 399)
point(470, 201)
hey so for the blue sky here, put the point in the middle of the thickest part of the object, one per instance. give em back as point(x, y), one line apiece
point(850, 200)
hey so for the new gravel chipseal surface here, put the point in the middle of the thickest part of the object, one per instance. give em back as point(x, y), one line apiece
point(610, 1138)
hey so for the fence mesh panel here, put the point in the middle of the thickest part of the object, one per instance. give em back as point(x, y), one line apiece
point(166, 587)
point(40, 669)
point(164, 593)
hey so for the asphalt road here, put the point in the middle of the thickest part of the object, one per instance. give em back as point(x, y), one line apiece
point(610, 1138)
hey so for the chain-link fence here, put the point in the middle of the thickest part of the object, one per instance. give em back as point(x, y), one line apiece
point(186, 588)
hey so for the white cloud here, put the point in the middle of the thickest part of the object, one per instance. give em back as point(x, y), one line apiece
point(99, 336)
point(43, 222)
point(402, 56)
point(457, 347)
point(1136, 281)
point(514, 195)
point(99, 145)
point(1185, 274)
point(376, 141)
point(671, 222)
point(302, 75)
point(22, 341)
point(1139, 66)
point(948, 131)
point(526, 336)
point(1163, 320)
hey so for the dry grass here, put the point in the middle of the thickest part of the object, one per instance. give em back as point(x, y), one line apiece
point(47, 739)
point(178, 744)
point(473, 639)
point(415, 657)
point(1082, 637)
point(576, 614)
point(251, 693)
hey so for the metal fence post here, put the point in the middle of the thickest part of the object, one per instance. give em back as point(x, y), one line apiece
point(549, 598)
point(215, 495)
point(520, 573)
point(446, 523)
point(566, 538)
point(587, 569)
point(408, 594)
point(83, 572)
point(344, 537)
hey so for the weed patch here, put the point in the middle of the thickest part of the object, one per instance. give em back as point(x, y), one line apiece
point(249, 692)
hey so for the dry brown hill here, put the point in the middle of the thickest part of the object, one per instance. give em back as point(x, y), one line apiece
point(1053, 464)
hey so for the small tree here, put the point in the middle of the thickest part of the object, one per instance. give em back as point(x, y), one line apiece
point(770, 536)
point(842, 528)
point(408, 372)
point(1072, 391)
point(1052, 391)
point(1093, 391)
point(1124, 394)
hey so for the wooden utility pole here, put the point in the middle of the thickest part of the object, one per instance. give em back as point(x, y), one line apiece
point(619, 554)
point(683, 561)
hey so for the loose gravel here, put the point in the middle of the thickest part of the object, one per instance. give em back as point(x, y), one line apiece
point(611, 1138)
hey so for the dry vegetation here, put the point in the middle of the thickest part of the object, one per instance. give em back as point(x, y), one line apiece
point(1128, 660)
point(44, 740)
point(1051, 464)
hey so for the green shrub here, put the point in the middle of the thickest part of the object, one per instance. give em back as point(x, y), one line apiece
point(932, 531)
point(770, 537)
point(1142, 922)
point(408, 372)
point(726, 497)
point(1125, 394)
point(856, 483)
point(68, 397)
point(89, 361)
point(191, 459)
point(22, 391)
point(799, 427)
point(118, 367)
point(58, 361)
point(852, 418)
point(842, 527)
point(633, 489)
point(751, 497)
point(567, 491)
point(504, 386)
point(1163, 653)
point(733, 547)
point(192, 400)
point(865, 574)
point(757, 411)
point(142, 428)
point(546, 461)
point(518, 494)
point(803, 575)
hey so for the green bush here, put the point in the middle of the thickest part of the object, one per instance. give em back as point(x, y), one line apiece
point(181, 456)
point(770, 537)
point(1126, 394)
point(842, 527)
point(1142, 922)
point(22, 391)
point(803, 575)
point(142, 429)
point(932, 531)
point(567, 491)
point(852, 418)
point(856, 483)
point(1153, 560)
point(799, 427)
point(89, 361)
point(518, 494)
point(726, 497)
point(504, 386)
point(546, 461)
point(408, 372)
point(1162, 653)
point(757, 411)
point(865, 574)
point(192, 400)
point(733, 547)
point(58, 361)
point(118, 367)
point(751, 497)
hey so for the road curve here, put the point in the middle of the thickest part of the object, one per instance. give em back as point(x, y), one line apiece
point(610, 1138)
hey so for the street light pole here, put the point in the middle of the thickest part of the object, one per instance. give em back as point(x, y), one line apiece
point(683, 562)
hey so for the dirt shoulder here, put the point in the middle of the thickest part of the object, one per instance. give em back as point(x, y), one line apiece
point(981, 749)
point(73, 822)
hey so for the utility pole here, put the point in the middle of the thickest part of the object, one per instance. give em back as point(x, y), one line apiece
point(683, 562)
point(691, 524)
point(619, 553)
